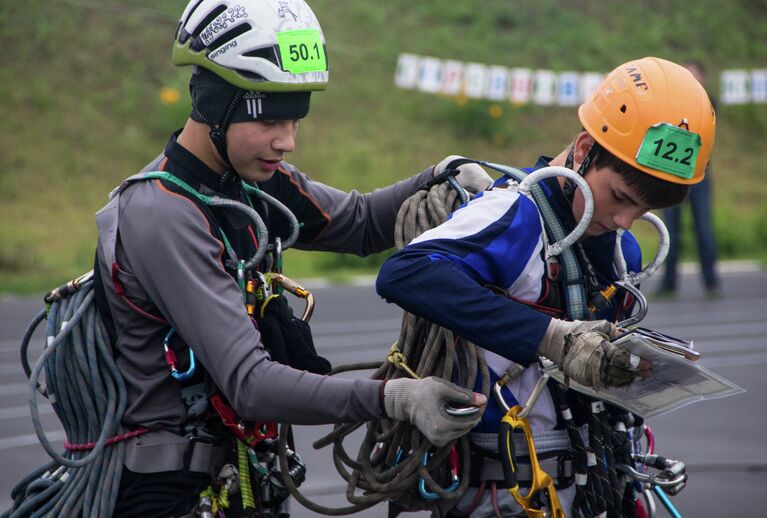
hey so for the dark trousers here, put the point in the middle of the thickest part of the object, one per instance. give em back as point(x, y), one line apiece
point(700, 203)
point(150, 495)
point(165, 495)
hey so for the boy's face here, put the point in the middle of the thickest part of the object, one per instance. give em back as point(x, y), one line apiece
point(256, 148)
point(615, 204)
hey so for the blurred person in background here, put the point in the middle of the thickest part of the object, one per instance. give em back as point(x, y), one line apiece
point(702, 218)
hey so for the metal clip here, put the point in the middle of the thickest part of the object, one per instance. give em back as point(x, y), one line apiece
point(516, 418)
point(672, 477)
point(277, 255)
point(455, 479)
point(263, 288)
point(297, 290)
point(65, 290)
point(509, 374)
point(541, 481)
point(641, 300)
point(171, 359)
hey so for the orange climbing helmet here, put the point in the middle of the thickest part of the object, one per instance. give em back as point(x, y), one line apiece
point(653, 114)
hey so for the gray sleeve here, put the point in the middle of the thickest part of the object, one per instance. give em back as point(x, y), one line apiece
point(178, 262)
point(357, 223)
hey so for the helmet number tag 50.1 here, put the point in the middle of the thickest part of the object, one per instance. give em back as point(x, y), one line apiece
point(302, 51)
point(670, 149)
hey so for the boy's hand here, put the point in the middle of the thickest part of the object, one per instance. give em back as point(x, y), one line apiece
point(591, 360)
point(422, 403)
point(584, 353)
point(471, 176)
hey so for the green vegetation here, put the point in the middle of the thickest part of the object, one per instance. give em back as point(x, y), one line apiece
point(80, 84)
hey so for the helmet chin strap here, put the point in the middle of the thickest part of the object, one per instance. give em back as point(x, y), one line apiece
point(569, 187)
point(217, 135)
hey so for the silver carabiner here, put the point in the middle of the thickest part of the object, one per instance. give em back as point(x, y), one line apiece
point(641, 301)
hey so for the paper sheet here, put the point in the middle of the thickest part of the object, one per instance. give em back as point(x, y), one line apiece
point(675, 381)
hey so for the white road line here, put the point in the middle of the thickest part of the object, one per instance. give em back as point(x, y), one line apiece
point(735, 360)
point(30, 439)
point(15, 412)
point(13, 389)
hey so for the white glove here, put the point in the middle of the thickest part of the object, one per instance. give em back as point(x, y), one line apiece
point(471, 176)
point(583, 352)
point(422, 403)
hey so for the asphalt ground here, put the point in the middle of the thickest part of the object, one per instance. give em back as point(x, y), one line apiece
point(722, 442)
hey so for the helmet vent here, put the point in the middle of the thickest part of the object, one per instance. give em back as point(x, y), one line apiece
point(623, 109)
point(209, 18)
point(250, 75)
point(604, 128)
point(182, 35)
point(269, 54)
point(229, 36)
point(191, 9)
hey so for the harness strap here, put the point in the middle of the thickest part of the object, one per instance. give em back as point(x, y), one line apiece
point(163, 450)
point(575, 292)
point(585, 500)
point(599, 480)
point(560, 464)
point(574, 282)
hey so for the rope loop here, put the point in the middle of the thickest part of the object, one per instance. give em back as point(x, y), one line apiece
point(396, 358)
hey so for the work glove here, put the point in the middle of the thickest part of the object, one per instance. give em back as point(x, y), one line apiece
point(422, 403)
point(584, 353)
point(471, 176)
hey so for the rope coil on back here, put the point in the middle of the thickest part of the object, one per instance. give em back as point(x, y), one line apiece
point(89, 396)
point(88, 393)
point(390, 463)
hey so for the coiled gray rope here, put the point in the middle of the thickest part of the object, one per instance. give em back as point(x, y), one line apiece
point(88, 395)
point(286, 212)
point(390, 462)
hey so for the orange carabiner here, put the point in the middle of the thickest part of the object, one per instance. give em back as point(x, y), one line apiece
point(297, 290)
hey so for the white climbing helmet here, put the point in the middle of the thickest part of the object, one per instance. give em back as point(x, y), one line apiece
point(260, 45)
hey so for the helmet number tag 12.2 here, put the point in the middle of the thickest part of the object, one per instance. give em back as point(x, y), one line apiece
point(670, 149)
point(302, 51)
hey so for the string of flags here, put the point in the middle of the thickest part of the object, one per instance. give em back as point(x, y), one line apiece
point(743, 86)
point(520, 85)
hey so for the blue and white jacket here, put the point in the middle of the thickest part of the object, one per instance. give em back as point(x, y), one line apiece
point(496, 239)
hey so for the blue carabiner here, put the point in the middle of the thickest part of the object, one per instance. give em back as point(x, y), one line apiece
point(170, 358)
point(430, 496)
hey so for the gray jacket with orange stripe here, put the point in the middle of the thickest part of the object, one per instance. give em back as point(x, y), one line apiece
point(162, 264)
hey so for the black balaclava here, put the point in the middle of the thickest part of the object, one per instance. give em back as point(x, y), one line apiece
point(218, 103)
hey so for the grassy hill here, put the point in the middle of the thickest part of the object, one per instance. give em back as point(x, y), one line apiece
point(81, 85)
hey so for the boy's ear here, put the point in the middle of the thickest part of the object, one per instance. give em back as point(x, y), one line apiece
point(582, 146)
